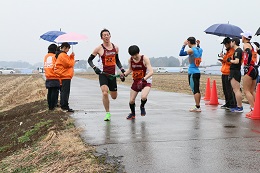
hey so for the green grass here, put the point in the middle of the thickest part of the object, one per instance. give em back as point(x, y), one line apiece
point(29, 133)
point(3, 148)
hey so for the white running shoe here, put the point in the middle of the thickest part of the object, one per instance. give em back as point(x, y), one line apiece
point(195, 109)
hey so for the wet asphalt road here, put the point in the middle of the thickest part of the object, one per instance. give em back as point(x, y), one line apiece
point(169, 138)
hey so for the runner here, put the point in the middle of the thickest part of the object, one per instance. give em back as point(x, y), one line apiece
point(235, 74)
point(64, 69)
point(195, 54)
point(226, 85)
point(109, 57)
point(142, 79)
point(52, 80)
point(250, 70)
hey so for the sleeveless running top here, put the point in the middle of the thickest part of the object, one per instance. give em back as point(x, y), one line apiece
point(109, 60)
point(253, 59)
point(139, 69)
point(197, 53)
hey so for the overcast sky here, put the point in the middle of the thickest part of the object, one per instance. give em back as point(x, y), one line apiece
point(158, 27)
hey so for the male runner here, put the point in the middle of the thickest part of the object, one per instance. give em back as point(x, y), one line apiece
point(142, 72)
point(108, 52)
point(195, 54)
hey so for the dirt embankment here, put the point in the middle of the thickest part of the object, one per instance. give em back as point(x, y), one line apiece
point(34, 139)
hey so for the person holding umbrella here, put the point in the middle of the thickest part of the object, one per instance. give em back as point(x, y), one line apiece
point(195, 54)
point(225, 69)
point(52, 80)
point(235, 74)
point(250, 70)
point(64, 69)
point(108, 52)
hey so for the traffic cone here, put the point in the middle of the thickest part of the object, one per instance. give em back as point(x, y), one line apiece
point(207, 91)
point(256, 112)
point(214, 94)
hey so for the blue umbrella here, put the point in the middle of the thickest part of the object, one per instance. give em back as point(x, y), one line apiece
point(224, 30)
point(52, 35)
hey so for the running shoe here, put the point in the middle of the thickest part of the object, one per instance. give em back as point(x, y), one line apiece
point(195, 109)
point(108, 116)
point(225, 106)
point(143, 112)
point(130, 116)
point(237, 109)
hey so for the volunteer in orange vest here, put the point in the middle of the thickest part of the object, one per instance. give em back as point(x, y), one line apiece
point(250, 70)
point(64, 69)
point(230, 100)
point(52, 80)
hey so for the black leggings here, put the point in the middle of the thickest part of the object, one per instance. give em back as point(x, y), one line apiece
point(52, 97)
point(65, 94)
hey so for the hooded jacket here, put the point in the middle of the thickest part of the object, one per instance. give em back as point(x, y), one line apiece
point(49, 62)
point(64, 66)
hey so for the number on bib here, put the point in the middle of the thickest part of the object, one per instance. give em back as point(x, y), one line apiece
point(138, 74)
point(197, 61)
point(110, 60)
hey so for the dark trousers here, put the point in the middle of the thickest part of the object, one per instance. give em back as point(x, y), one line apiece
point(52, 97)
point(228, 92)
point(65, 93)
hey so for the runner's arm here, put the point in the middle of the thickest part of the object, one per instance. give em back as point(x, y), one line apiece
point(90, 61)
point(149, 68)
point(92, 56)
point(129, 70)
point(237, 58)
point(119, 65)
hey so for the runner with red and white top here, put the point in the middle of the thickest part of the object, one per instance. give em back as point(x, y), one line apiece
point(142, 71)
point(108, 52)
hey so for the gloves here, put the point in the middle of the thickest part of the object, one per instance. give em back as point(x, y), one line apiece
point(122, 77)
point(122, 70)
point(229, 59)
point(97, 70)
point(140, 84)
point(246, 69)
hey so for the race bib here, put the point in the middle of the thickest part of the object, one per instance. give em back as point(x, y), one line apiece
point(110, 60)
point(197, 61)
point(138, 74)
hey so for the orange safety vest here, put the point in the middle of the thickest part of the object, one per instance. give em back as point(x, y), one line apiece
point(64, 66)
point(49, 62)
point(225, 69)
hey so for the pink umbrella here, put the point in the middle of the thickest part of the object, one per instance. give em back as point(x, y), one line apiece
point(70, 37)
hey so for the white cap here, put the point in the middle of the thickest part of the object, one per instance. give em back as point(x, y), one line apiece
point(247, 34)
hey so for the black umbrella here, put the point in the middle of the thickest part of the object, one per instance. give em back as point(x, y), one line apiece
point(257, 32)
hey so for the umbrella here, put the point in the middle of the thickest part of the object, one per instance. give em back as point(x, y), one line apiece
point(257, 32)
point(52, 35)
point(224, 30)
point(70, 37)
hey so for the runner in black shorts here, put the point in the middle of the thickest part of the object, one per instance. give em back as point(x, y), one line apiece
point(108, 53)
point(250, 70)
point(235, 74)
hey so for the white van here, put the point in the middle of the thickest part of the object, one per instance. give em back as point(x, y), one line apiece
point(7, 70)
point(161, 70)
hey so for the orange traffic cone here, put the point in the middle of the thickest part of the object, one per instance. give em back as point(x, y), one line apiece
point(256, 112)
point(214, 94)
point(207, 92)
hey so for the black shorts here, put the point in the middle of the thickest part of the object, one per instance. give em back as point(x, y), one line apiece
point(194, 82)
point(111, 83)
point(252, 72)
point(236, 74)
